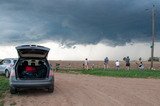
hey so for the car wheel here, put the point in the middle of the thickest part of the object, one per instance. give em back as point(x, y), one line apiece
point(7, 74)
point(13, 90)
point(51, 89)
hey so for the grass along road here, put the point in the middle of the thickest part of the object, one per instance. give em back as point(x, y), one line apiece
point(4, 86)
point(117, 73)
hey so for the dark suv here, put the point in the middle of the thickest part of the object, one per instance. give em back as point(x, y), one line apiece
point(32, 69)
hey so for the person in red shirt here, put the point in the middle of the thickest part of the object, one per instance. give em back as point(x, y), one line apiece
point(31, 68)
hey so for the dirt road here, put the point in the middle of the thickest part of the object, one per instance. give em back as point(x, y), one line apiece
point(86, 90)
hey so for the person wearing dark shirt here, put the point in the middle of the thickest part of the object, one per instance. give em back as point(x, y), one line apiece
point(106, 60)
point(127, 63)
point(42, 68)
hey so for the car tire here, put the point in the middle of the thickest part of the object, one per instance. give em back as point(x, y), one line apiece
point(7, 74)
point(51, 89)
point(13, 90)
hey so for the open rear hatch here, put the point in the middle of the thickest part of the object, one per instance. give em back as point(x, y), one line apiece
point(32, 51)
point(32, 63)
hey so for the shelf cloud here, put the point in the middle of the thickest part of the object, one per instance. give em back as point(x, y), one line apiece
point(70, 22)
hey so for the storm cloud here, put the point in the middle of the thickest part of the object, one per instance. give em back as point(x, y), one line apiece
point(113, 22)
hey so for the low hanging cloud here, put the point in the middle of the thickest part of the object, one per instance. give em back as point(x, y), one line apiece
point(113, 22)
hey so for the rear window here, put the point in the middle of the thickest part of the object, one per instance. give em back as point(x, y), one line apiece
point(30, 62)
point(33, 51)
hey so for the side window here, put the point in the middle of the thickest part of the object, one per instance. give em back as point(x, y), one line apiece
point(7, 61)
point(1, 62)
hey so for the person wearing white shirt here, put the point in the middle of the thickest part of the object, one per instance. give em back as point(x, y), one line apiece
point(86, 63)
point(141, 66)
point(117, 64)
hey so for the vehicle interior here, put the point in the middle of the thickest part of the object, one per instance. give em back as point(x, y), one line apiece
point(32, 69)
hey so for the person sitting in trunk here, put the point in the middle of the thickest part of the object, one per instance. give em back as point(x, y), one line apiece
point(41, 64)
point(24, 65)
point(31, 69)
point(43, 69)
point(21, 69)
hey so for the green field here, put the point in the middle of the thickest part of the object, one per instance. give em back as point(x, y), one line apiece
point(118, 73)
point(4, 86)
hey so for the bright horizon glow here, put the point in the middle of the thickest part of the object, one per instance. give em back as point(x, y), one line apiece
point(92, 52)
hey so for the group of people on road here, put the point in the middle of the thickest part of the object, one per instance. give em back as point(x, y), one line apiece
point(117, 63)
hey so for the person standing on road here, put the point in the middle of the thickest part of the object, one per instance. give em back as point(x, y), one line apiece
point(127, 63)
point(106, 60)
point(117, 64)
point(86, 64)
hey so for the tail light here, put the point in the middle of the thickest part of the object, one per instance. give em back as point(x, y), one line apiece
point(12, 73)
point(51, 73)
point(11, 65)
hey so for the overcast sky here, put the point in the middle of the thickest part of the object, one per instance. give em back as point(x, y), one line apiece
point(77, 25)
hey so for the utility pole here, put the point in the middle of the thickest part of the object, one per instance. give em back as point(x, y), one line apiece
point(153, 35)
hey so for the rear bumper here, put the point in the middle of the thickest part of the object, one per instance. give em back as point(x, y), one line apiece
point(32, 83)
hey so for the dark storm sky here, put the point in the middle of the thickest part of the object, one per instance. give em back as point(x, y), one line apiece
point(114, 22)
